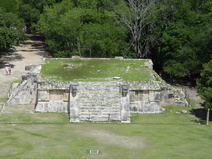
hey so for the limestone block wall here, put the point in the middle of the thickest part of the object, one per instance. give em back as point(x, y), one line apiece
point(145, 107)
point(52, 96)
point(144, 85)
point(99, 101)
point(52, 101)
point(84, 101)
point(145, 97)
point(145, 101)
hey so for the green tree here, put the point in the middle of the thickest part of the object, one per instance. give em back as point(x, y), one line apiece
point(76, 28)
point(204, 86)
point(183, 36)
point(180, 58)
point(103, 40)
point(28, 13)
point(30, 10)
point(38, 4)
point(59, 25)
point(11, 30)
point(10, 5)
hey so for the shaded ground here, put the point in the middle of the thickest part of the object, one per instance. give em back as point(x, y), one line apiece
point(201, 113)
point(195, 102)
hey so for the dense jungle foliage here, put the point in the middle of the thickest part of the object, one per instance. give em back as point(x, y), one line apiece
point(175, 34)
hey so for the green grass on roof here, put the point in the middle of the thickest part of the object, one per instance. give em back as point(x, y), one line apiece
point(95, 70)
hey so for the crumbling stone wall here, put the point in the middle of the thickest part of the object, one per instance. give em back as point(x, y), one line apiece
point(173, 96)
point(24, 92)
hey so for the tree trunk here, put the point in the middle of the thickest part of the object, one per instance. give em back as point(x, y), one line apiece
point(90, 52)
point(208, 114)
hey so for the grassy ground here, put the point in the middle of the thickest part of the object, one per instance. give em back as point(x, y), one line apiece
point(3, 100)
point(95, 70)
point(24, 134)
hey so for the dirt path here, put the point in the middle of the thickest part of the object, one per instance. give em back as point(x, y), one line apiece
point(29, 52)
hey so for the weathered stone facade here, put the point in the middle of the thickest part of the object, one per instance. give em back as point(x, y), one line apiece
point(52, 97)
point(95, 101)
point(98, 101)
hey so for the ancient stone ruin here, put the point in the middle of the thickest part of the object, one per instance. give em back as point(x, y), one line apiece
point(114, 100)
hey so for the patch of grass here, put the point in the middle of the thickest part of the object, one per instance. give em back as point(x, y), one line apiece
point(50, 135)
point(196, 103)
point(95, 70)
point(3, 100)
point(34, 118)
point(118, 141)
point(17, 81)
point(25, 114)
point(172, 114)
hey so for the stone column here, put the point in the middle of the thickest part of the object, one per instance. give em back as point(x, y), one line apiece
point(73, 105)
point(125, 109)
point(125, 104)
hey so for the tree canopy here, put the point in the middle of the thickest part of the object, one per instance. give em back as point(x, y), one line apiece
point(183, 34)
point(11, 29)
point(175, 34)
point(81, 28)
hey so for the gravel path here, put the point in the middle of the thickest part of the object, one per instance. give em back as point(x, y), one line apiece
point(29, 52)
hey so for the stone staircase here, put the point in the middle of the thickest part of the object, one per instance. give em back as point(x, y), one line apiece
point(98, 102)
